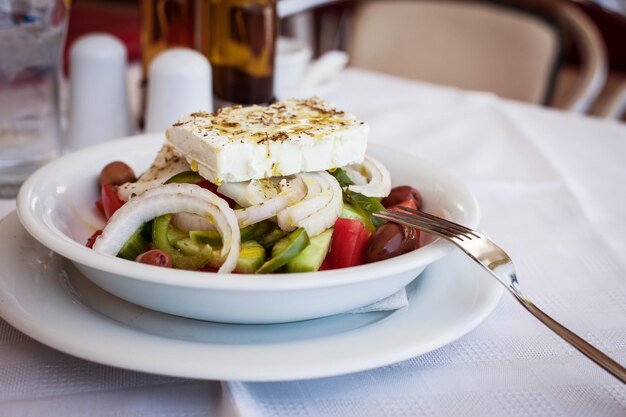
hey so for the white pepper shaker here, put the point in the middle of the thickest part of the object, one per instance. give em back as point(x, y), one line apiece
point(179, 83)
point(99, 107)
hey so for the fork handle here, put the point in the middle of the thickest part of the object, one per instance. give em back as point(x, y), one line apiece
point(576, 341)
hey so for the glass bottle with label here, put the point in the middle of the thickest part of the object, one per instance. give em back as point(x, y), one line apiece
point(239, 40)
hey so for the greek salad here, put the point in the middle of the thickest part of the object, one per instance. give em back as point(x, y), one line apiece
point(281, 188)
point(259, 238)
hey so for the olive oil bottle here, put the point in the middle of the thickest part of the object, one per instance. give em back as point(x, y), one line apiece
point(239, 39)
point(166, 24)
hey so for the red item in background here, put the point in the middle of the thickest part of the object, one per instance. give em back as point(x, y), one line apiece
point(346, 247)
point(121, 21)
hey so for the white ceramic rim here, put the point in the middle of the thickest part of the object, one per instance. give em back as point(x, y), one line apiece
point(74, 327)
point(28, 197)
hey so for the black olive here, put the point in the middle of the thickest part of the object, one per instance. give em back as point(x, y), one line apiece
point(389, 240)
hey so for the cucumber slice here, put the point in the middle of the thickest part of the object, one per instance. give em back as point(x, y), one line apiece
point(280, 246)
point(311, 258)
point(251, 257)
point(348, 211)
point(295, 242)
point(135, 245)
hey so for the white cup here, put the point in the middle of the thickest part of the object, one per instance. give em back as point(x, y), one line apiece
point(179, 83)
point(99, 108)
point(324, 69)
point(292, 60)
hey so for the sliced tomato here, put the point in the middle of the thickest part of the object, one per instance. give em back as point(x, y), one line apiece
point(110, 201)
point(208, 268)
point(346, 247)
point(92, 239)
point(208, 185)
point(213, 188)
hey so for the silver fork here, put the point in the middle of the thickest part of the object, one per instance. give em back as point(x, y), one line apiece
point(496, 261)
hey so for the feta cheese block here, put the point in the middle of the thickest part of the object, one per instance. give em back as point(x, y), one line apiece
point(285, 138)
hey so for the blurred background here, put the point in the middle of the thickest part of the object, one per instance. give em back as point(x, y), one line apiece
point(87, 71)
point(585, 51)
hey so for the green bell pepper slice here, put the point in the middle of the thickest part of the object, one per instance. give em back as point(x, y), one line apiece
point(289, 247)
point(161, 241)
point(206, 237)
point(254, 232)
point(189, 177)
point(366, 205)
point(311, 258)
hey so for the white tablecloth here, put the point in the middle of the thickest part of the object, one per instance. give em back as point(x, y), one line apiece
point(552, 189)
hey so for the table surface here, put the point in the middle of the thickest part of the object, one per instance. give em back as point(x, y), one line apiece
point(552, 190)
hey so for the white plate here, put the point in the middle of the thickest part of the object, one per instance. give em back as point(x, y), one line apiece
point(44, 296)
point(56, 205)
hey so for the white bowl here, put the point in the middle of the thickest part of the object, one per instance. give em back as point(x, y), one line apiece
point(56, 206)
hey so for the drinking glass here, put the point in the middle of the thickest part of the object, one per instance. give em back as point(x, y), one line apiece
point(32, 34)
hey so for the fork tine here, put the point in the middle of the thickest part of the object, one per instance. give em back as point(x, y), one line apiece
point(440, 220)
point(429, 225)
point(419, 223)
point(411, 221)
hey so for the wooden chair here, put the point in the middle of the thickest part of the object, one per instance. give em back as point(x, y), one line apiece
point(614, 106)
point(474, 45)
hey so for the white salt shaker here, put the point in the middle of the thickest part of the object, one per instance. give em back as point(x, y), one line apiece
point(179, 83)
point(99, 107)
